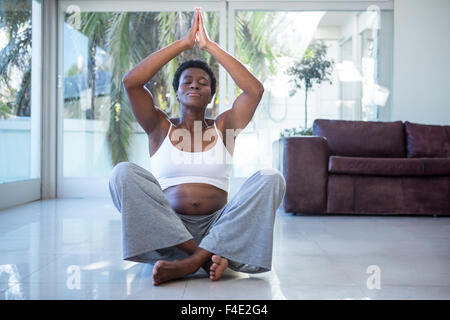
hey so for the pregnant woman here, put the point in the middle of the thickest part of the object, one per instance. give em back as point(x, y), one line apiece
point(178, 215)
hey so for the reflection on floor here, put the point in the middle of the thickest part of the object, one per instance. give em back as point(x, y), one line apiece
point(71, 249)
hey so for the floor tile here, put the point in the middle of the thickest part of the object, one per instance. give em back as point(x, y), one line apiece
point(72, 249)
point(389, 292)
point(323, 292)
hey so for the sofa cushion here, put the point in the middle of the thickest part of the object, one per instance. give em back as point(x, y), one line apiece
point(436, 166)
point(387, 196)
point(389, 167)
point(362, 138)
point(427, 140)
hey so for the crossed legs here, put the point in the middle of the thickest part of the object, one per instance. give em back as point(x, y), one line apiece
point(168, 270)
point(245, 227)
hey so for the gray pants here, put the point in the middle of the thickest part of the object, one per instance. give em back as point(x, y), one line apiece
point(241, 231)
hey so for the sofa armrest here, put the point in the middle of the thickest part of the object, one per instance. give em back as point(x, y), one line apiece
point(304, 164)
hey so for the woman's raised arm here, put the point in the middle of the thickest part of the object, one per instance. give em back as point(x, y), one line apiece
point(140, 97)
point(246, 103)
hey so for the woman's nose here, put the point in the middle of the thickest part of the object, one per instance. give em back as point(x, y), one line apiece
point(194, 85)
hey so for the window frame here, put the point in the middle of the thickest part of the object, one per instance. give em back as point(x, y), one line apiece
point(52, 184)
point(68, 187)
point(22, 191)
point(254, 5)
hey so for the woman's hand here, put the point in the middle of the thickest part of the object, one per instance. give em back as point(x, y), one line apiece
point(203, 39)
point(191, 37)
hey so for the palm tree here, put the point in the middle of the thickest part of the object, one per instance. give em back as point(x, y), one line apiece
point(133, 36)
point(254, 32)
point(128, 37)
point(94, 26)
point(122, 47)
point(15, 19)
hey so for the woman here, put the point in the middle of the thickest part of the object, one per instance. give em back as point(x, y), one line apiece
point(178, 216)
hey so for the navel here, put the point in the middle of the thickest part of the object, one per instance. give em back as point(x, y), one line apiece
point(195, 204)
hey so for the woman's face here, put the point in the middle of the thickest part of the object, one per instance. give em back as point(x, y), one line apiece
point(194, 89)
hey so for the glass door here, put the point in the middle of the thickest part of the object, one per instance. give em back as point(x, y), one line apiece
point(100, 41)
point(336, 46)
point(20, 102)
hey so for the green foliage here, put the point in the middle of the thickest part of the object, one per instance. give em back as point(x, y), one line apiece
point(119, 47)
point(254, 32)
point(15, 21)
point(313, 68)
point(296, 132)
point(119, 129)
point(5, 112)
point(129, 37)
point(73, 71)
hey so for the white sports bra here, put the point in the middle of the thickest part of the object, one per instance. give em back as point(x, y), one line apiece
point(172, 166)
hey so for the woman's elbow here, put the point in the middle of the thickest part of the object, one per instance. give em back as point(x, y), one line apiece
point(129, 82)
point(125, 80)
point(259, 90)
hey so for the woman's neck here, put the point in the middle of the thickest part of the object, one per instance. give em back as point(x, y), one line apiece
point(192, 120)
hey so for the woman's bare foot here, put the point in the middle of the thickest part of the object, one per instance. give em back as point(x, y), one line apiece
point(164, 271)
point(218, 266)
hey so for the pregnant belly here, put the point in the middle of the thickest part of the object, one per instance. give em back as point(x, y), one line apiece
point(196, 198)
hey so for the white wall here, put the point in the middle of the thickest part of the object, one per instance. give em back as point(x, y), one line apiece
point(421, 76)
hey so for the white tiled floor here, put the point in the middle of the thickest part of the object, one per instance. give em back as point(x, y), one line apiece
point(71, 249)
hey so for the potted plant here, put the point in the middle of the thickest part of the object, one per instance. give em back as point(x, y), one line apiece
point(314, 68)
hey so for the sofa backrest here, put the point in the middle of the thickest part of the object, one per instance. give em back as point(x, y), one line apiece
point(427, 141)
point(362, 138)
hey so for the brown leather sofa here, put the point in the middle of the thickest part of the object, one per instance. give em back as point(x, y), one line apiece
point(363, 167)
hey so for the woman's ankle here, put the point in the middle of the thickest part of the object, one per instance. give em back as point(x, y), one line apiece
point(189, 246)
point(200, 259)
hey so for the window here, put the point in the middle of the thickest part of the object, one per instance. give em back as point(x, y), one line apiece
point(19, 91)
point(98, 48)
point(98, 128)
point(270, 42)
point(20, 101)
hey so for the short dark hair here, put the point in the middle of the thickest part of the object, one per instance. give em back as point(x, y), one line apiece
point(194, 64)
